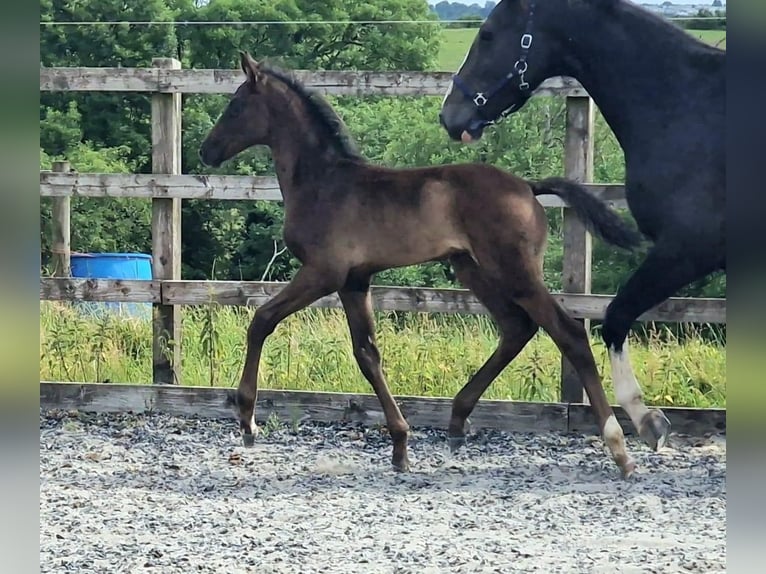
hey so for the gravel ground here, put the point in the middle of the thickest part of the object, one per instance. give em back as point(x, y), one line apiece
point(124, 493)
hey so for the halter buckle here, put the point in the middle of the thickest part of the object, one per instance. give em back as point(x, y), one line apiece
point(480, 100)
point(526, 41)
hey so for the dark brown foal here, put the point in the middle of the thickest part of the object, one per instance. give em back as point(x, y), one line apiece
point(346, 220)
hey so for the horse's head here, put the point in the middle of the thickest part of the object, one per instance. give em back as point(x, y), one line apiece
point(246, 120)
point(511, 55)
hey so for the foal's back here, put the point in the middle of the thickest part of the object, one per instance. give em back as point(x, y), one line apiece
point(474, 194)
point(394, 217)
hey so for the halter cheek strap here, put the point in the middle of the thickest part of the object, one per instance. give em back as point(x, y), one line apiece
point(480, 99)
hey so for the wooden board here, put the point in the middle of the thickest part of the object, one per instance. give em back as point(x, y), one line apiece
point(296, 406)
point(103, 290)
point(166, 230)
point(577, 242)
point(693, 422)
point(231, 187)
point(301, 406)
point(415, 299)
point(228, 187)
point(216, 81)
point(695, 310)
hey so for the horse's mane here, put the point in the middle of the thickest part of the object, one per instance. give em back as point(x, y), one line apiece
point(322, 111)
point(616, 8)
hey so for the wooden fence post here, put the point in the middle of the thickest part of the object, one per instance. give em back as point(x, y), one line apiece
point(578, 165)
point(166, 230)
point(60, 226)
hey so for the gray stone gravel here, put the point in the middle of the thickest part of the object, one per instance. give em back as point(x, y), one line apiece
point(154, 493)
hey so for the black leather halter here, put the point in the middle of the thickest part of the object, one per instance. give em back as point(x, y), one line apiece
point(480, 99)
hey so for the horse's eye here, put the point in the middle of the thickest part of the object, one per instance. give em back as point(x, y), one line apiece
point(485, 35)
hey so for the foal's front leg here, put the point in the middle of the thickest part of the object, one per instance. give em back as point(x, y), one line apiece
point(308, 285)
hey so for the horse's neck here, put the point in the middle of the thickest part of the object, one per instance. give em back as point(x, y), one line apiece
point(632, 69)
point(299, 158)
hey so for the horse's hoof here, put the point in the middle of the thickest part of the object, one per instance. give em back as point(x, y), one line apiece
point(456, 443)
point(654, 429)
point(628, 469)
point(248, 440)
point(401, 466)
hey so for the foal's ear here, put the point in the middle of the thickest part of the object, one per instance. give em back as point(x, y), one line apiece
point(250, 67)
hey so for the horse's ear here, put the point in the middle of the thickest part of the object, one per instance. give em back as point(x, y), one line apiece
point(249, 66)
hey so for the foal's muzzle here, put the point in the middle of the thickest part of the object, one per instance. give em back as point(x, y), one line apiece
point(208, 157)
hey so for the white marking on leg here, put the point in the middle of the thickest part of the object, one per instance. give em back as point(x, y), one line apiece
point(615, 441)
point(626, 389)
point(613, 431)
point(452, 84)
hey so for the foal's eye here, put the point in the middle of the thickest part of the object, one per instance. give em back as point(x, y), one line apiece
point(485, 36)
point(235, 108)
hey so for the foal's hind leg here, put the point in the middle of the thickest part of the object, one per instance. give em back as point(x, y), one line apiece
point(516, 329)
point(663, 273)
point(355, 297)
point(572, 340)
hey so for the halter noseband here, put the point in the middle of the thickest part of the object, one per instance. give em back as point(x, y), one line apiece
point(480, 99)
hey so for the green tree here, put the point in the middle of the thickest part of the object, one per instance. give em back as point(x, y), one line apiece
point(318, 44)
point(107, 119)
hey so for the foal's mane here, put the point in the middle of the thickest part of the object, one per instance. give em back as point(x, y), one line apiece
point(321, 110)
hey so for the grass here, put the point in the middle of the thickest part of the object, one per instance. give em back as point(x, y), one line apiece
point(713, 37)
point(457, 41)
point(454, 48)
point(424, 355)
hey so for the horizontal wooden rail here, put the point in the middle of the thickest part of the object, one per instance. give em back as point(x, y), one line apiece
point(217, 81)
point(229, 187)
point(426, 300)
point(301, 406)
point(100, 290)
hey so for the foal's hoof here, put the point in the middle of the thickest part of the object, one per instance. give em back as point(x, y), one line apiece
point(401, 465)
point(628, 469)
point(654, 429)
point(248, 440)
point(456, 443)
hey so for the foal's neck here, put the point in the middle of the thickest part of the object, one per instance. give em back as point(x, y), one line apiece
point(634, 68)
point(302, 156)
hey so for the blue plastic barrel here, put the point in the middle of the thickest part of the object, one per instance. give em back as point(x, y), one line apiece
point(114, 266)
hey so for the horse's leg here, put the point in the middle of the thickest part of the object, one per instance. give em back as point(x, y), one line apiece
point(572, 340)
point(308, 285)
point(516, 329)
point(663, 273)
point(357, 304)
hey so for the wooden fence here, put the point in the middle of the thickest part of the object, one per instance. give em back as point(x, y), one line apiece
point(167, 187)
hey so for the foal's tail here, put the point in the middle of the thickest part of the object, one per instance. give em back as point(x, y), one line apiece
point(593, 212)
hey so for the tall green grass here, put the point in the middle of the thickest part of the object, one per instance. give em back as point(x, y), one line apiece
point(423, 354)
